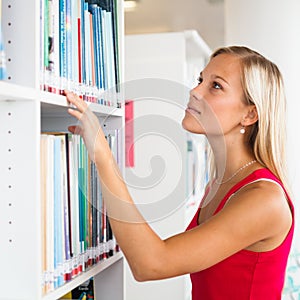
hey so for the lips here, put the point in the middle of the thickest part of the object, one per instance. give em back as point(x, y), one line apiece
point(193, 110)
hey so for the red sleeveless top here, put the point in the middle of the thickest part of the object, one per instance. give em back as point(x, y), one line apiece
point(246, 275)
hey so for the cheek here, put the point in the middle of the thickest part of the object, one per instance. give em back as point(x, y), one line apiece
point(223, 118)
point(212, 118)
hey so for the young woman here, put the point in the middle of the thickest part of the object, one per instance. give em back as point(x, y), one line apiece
point(239, 240)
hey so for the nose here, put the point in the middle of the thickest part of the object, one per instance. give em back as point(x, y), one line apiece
point(197, 92)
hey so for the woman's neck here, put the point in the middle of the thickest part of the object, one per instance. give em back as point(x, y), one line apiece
point(230, 157)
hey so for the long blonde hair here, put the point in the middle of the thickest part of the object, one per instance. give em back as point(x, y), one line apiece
point(263, 86)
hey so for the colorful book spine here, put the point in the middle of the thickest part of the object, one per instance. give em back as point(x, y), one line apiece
point(74, 44)
point(53, 83)
point(47, 196)
point(63, 45)
point(116, 47)
point(80, 49)
point(58, 216)
point(45, 35)
point(75, 226)
point(93, 9)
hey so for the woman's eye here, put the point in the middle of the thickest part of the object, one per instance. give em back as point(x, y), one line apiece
point(217, 86)
point(199, 79)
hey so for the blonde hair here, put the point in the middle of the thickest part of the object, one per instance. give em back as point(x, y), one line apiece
point(263, 87)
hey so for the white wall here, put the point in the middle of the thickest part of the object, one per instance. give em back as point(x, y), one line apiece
point(273, 28)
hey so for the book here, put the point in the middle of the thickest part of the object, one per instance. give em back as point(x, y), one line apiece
point(54, 57)
point(44, 212)
point(76, 229)
point(84, 291)
point(63, 45)
point(80, 49)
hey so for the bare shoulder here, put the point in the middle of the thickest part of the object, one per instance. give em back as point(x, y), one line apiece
point(264, 203)
point(263, 193)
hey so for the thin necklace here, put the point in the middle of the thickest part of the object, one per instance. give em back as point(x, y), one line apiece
point(236, 172)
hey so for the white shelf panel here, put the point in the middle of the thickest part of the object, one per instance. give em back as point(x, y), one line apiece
point(10, 92)
point(100, 267)
point(52, 104)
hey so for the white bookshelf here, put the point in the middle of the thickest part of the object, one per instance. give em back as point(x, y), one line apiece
point(25, 111)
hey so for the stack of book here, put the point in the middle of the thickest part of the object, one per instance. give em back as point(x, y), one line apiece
point(76, 233)
point(79, 48)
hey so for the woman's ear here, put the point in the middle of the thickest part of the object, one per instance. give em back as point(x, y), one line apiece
point(251, 116)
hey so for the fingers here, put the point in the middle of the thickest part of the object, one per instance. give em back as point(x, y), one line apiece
point(75, 113)
point(74, 129)
point(74, 99)
point(78, 103)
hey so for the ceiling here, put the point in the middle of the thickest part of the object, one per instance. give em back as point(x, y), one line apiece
point(152, 16)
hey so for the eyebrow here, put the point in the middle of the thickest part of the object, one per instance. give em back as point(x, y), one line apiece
point(215, 77)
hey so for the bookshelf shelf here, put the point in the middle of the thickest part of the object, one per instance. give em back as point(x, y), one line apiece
point(9, 92)
point(101, 267)
point(51, 104)
point(56, 105)
point(25, 112)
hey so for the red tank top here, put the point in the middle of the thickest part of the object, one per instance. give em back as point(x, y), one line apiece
point(246, 275)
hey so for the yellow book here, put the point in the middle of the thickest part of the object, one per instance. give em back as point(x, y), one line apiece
point(67, 296)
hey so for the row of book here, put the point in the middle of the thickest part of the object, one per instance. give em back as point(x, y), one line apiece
point(76, 232)
point(2, 52)
point(79, 48)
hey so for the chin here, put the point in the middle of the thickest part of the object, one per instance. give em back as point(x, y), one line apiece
point(191, 125)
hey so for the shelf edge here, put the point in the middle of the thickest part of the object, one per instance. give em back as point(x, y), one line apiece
point(67, 287)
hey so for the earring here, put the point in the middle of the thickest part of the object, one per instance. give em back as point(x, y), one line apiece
point(242, 130)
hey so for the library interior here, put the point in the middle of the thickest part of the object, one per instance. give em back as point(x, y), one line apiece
point(137, 65)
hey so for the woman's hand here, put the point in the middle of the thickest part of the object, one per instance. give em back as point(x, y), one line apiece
point(89, 127)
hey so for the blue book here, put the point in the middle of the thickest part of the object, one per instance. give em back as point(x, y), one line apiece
point(74, 33)
point(99, 218)
point(66, 203)
point(68, 37)
point(104, 48)
point(88, 52)
point(62, 42)
point(110, 48)
point(93, 10)
point(100, 47)
point(58, 225)
point(81, 194)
